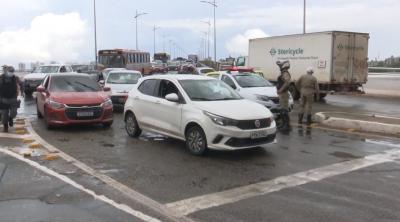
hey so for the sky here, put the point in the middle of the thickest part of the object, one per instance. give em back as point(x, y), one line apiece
point(62, 30)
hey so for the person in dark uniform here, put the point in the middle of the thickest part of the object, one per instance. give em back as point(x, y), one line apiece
point(283, 83)
point(9, 88)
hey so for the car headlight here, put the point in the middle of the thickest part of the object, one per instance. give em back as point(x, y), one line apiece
point(219, 120)
point(262, 98)
point(107, 103)
point(56, 105)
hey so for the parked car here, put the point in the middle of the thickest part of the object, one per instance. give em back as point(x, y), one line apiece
point(203, 111)
point(34, 79)
point(73, 98)
point(121, 82)
point(254, 87)
point(204, 70)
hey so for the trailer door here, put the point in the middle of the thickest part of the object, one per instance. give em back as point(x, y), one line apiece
point(350, 57)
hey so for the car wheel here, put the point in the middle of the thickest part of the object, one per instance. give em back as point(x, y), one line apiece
point(107, 125)
point(132, 126)
point(196, 140)
point(39, 115)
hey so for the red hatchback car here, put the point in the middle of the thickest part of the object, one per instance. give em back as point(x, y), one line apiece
point(72, 98)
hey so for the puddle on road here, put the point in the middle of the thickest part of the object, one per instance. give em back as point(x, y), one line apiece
point(344, 155)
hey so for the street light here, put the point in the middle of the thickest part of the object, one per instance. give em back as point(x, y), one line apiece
point(205, 44)
point(154, 30)
point(304, 17)
point(214, 4)
point(95, 33)
point(137, 15)
point(208, 37)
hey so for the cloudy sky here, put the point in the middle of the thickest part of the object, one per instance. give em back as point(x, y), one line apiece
point(62, 30)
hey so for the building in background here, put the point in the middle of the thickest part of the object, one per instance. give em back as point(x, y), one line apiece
point(21, 67)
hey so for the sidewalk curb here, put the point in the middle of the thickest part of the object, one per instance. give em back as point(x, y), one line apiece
point(359, 125)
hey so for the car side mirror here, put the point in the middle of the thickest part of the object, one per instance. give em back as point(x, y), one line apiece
point(172, 97)
point(40, 89)
point(106, 89)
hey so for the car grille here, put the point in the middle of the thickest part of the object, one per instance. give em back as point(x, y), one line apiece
point(275, 100)
point(85, 105)
point(117, 99)
point(245, 142)
point(72, 112)
point(251, 124)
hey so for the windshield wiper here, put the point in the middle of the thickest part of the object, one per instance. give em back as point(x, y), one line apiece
point(200, 99)
point(226, 98)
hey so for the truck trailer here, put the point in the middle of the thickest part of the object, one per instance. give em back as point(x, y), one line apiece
point(339, 59)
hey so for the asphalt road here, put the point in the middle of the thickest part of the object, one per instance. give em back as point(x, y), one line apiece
point(162, 170)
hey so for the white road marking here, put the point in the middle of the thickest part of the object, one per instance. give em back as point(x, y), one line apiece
point(128, 192)
point(67, 180)
point(12, 136)
point(191, 205)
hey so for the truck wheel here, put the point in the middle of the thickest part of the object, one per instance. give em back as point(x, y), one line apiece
point(295, 93)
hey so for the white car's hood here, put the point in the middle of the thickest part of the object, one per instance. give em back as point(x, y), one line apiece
point(235, 109)
point(35, 76)
point(120, 88)
point(265, 91)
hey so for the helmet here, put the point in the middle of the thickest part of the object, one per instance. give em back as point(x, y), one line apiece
point(285, 65)
point(10, 69)
point(310, 70)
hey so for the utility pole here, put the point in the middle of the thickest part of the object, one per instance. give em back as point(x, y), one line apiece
point(95, 33)
point(154, 30)
point(208, 37)
point(304, 17)
point(137, 15)
point(214, 4)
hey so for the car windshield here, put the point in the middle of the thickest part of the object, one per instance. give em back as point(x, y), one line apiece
point(73, 84)
point(208, 90)
point(46, 69)
point(123, 78)
point(251, 80)
point(204, 71)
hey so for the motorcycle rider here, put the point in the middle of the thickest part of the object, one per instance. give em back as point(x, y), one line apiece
point(9, 88)
point(282, 87)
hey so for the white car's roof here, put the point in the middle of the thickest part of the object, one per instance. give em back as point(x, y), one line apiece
point(54, 65)
point(179, 77)
point(124, 71)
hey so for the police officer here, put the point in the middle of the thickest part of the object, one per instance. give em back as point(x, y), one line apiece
point(9, 88)
point(282, 86)
point(307, 84)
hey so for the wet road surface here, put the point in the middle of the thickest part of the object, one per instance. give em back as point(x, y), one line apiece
point(161, 169)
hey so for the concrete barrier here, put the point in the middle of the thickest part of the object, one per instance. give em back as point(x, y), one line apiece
point(358, 125)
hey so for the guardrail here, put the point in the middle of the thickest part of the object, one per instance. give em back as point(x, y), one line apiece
point(383, 70)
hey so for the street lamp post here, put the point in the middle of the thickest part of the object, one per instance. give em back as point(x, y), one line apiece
point(95, 33)
point(154, 30)
point(208, 37)
point(214, 4)
point(137, 15)
point(304, 17)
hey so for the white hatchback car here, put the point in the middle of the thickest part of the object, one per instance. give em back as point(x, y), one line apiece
point(203, 111)
point(256, 88)
point(121, 82)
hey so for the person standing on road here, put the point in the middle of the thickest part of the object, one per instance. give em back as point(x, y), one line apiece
point(9, 88)
point(282, 86)
point(307, 85)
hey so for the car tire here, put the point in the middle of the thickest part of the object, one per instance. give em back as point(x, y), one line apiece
point(107, 125)
point(39, 115)
point(131, 125)
point(196, 141)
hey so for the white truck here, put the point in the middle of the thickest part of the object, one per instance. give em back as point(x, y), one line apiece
point(340, 59)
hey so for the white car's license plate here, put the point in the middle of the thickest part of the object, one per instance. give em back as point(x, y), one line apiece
point(258, 134)
point(84, 114)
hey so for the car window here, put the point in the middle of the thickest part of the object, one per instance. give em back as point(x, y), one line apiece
point(69, 83)
point(69, 69)
point(251, 80)
point(46, 69)
point(123, 78)
point(228, 81)
point(148, 87)
point(208, 90)
point(167, 87)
